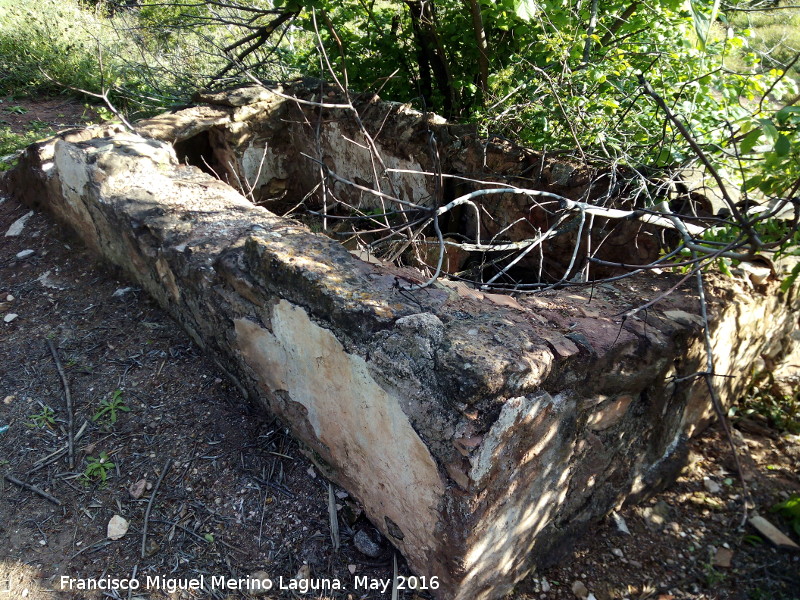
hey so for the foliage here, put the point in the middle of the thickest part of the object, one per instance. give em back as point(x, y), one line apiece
point(10, 142)
point(47, 46)
point(658, 87)
point(109, 409)
point(97, 468)
point(42, 419)
point(781, 411)
point(774, 33)
point(55, 37)
point(790, 510)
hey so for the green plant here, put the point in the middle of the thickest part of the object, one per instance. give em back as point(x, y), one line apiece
point(17, 110)
point(44, 418)
point(11, 141)
point(713, 577)
point(109, 407)
point(790, 510)
point(97, 468)
point(779, 408)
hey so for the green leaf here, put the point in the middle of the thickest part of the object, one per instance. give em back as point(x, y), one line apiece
point(782, 145)
point(789, 281)
point(750, 140)
point(209, 538)
point(702, 22)
point(783, 114)
point(769, 129)
point(526, 9)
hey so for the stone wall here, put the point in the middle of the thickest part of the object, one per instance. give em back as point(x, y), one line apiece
point(257, 140)
point(482, 433)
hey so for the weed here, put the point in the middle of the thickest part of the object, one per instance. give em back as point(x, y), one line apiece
point(713, 577)
point(764, 398)
point(17, 110)
point(109, 407)
point(11, 141)
point(97, 468)
point(790, 510)
point(45, 418)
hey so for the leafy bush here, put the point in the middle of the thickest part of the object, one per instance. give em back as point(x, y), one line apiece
point(47, 46)
point(56, 37)
point(774, 34)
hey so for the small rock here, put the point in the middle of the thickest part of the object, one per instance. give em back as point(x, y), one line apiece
point(311, 472)
point(259, 583)
point(122, 291)
point(352, 569)
point(117, 527)
point(152, 547)
point(365, 545)
point(620, 523)
point(10, 317)
point(722, 558)
point(46, 280)
point(137, 489)
point(772, 533)
point(580, 590)
point(18, 225)
point(712, 487)
point(545, 585)
point(635, 564)
point(9, 399)
point(617, 552)
point(674, 527)
point(655, 517)
point(303, 573)
point(10, 298)
point(22, 254)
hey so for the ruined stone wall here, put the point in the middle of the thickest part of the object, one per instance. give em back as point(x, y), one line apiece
point(278, 149)
point(480, 432)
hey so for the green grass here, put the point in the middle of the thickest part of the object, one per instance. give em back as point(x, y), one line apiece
point(49, 46)
point(774, 37)
point(11, 142)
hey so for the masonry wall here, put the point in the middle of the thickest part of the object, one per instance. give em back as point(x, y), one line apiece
point(481, 433)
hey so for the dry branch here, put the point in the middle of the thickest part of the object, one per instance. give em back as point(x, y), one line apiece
point(150, 506)
point(68, 396)
point(34, 489)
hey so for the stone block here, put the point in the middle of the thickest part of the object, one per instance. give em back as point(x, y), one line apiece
point(480, 435)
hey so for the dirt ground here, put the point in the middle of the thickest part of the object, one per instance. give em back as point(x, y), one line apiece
point(163, 441)
point(44, 114)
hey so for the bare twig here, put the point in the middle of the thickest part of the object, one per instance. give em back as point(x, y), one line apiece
point(54, 456)
point(68, 396)
point(708, 376)
point(34, 489)
point(177, 525)
point(698, 151)
point(150, 506)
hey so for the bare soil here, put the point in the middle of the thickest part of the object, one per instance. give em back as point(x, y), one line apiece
point(44, 114)
point(228, 493)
